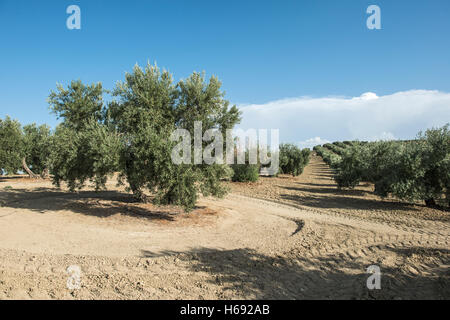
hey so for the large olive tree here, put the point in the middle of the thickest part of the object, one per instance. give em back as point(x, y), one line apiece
point(132, 133)
point(149, 107)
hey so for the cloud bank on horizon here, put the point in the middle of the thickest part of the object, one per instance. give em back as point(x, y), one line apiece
point(309, 121)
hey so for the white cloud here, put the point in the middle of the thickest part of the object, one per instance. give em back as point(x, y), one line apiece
point(367, 117)
point(312, 142)
point(383, 136)
point(368, 96)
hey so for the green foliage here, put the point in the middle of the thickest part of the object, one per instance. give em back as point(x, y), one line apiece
point(340, 144)
point(83, 148)
point(249, 170)
point(148, 109)
point(204, 101)
point(145, 115)
point(335, 148)
point(245, 172)
point(11, 146)
point(146, 98)
point(401, 172)
point(436, 162)
point(77, 104)
point(37, 143)
point(146, 163)
point(412, 170)
point(330, 158)
point(292, 159)
point(131, 135)
point(81, 155)
point(306, 152)
point(351, 167)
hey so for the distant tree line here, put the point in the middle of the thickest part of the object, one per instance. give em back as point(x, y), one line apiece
point(412, 170)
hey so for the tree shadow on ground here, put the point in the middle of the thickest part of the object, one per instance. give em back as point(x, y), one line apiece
point(252, 275)
point(331, 200)
point(101, 204)
point(9, 178)
point(328, 176)
point(328, 190)
point(318, 185)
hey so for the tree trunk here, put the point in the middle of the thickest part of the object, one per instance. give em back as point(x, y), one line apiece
point(430, 202)
point(45, 174)
point(27, 170)
point(138, 194)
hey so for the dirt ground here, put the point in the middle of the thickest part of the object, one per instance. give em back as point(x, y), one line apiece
point(279, 238)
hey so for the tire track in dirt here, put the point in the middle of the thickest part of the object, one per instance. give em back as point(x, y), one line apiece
point(438, 229)
point(316, 191)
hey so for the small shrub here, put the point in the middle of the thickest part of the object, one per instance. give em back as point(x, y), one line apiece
point(245, 172)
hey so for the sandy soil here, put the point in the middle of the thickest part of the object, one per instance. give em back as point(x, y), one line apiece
point(279, 238)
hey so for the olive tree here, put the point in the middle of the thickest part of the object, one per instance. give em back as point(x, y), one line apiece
point(411, 170)
point(435, 144)
point(84, 147)
point(91, 154)
point(11, 146)
point(149, 107)
point(37, 143)
point(292, 159)
point(131, 135)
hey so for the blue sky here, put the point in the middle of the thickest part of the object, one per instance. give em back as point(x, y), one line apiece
point(263, 51)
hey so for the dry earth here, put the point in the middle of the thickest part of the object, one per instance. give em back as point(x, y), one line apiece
point(279, 238)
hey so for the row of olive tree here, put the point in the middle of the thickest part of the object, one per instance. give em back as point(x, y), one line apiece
point(131, 136)
point(24, 148)
point(410, 170)
point(329, 157)
point(292, 159)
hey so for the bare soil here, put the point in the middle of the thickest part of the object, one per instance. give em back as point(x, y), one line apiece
point(279, 238)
